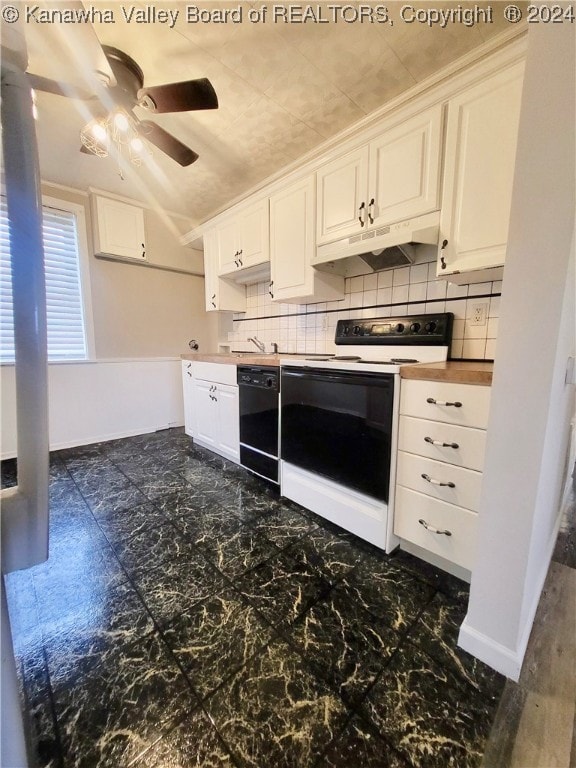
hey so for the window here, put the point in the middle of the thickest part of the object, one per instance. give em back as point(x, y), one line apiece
point(66, 295)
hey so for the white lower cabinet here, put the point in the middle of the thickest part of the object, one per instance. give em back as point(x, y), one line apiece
point(442, 434)
point(211, 413)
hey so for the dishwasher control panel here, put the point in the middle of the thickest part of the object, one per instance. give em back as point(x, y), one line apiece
point(262, 377)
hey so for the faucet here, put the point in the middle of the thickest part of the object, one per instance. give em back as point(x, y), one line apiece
point(260, 344)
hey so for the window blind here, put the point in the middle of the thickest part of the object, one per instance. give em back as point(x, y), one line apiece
point(64, 310)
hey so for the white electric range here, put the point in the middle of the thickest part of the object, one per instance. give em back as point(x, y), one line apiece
point(339, 420)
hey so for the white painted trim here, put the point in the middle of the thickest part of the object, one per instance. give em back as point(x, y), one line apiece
point(129, 200)
point(111, 436)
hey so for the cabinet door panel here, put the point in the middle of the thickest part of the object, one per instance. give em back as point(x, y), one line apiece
point(120, 229)
point(228, 421)
point(227, 244)
point(342, 188)
point(479, 173)
point(206, 413)
point(188, 392)
point(405, 168)
point(292, 239)
point(255, 235)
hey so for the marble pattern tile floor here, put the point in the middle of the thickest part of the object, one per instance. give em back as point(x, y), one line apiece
point(189, 616)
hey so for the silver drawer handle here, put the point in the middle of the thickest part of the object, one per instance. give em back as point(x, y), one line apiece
point(440, 443)
point(434, 530)
point(441, 402)
point(429, 479)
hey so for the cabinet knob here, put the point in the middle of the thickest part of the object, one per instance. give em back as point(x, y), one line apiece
point(361, 212)
point(371, 205)
point(442, 259)
point(143, 251)
point(270, 289)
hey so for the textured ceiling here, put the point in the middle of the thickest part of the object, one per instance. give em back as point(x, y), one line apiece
point(283, 89)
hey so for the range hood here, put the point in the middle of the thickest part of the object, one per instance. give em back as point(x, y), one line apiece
point(378, 248)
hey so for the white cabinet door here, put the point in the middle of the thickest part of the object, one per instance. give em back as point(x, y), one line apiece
point(254, 225)
point(220, 294)
point(205, 405)
point(395, 177)
point(227, 243)
point(478, 174)
point(118, 229)
point(405, 169)
point(292, 240)
point(342, 188)
point(188, 391)
point(228, 442)
point(292, 247)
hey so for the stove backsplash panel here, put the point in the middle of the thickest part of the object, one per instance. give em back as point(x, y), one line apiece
point(310, 328)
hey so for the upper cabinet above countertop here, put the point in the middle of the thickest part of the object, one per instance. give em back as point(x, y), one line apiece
point(392, 178)
point(118, 228)
point(443, 156)
point(479, 161)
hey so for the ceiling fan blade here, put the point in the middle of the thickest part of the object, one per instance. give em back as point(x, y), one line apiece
point(67, 52)
point(179, 97)
point(47, 85)
point(170, 145)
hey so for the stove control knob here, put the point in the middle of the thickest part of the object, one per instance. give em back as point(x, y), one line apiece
point(346, 330)
point(269, 381)
point(399, 327)
point(415, 327)
point(356, 330)
point(430, 327)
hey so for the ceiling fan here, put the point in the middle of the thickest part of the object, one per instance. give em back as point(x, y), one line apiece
point(122, 93)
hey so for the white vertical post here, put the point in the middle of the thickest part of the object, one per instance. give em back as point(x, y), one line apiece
point(24, 515)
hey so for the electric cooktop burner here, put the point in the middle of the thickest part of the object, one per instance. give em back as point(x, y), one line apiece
point(358, 359)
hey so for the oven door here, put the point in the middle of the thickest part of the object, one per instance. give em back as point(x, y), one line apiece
point(339, 425)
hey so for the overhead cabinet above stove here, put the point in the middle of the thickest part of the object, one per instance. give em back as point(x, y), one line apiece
point(394, 177)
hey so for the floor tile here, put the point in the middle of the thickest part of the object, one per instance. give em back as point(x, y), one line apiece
point(119, 526)
point(122, 705)
point(213, 639)
point(425, 712)
point(151, 547)
point(360, 745)
point(274, 712)
point(282, 589)
point(283, 526)
point(237, 551)
point(193, 742)
point(344, 643)
point(177, 585)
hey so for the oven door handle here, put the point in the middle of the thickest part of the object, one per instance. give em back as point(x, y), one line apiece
point(313, 374)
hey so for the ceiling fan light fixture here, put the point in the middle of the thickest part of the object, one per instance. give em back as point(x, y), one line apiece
point(94, 136)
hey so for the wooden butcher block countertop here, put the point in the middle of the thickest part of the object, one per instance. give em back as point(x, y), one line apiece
point(455, 371)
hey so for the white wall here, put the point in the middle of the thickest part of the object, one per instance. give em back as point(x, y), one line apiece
point(531, 403)
point(90, 402)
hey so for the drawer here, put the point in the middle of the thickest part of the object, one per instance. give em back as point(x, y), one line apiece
point(471, 442)
point(458, 548)
point(467, 483)
point(415, 397)
point(219, 373)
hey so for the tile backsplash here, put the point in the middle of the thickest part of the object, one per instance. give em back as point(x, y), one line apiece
point(310, 328)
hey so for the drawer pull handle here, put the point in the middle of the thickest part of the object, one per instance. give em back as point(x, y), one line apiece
point(429, 479)
point(442, 402)
point(440, 443)
point(434, 530)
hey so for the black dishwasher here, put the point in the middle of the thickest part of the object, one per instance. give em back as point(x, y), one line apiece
point(258, 388)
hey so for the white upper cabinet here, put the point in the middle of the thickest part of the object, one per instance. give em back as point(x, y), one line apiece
point(243, 240)
point(480, 153)
point(221, 295)
point(394, 177)
point(292, 247)
point(118, 229)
